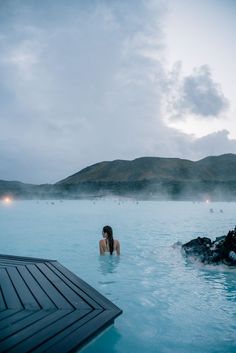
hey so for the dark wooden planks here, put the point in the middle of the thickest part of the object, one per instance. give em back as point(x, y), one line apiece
point(50, 289)
point(39, 332)
point(28, 335)
point(8, 290)
point(2, 301)
point(21, 327)
point(6, 313)
point(66, 291)
point(58, 339)
point(14, 318)
point(75, 285)
point(37, 291)
point(24, 293)
point(44, 307)
point(86, 288)
point(79, 333)
point(22, 259)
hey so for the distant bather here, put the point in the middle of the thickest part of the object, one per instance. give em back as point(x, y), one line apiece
point(108, 244)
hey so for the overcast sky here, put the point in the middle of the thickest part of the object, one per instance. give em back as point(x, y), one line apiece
point(87, 81)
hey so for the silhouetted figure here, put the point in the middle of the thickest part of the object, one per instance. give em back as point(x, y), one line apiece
point(108, 244)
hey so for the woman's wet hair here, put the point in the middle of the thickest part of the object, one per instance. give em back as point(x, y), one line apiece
point(109, 231)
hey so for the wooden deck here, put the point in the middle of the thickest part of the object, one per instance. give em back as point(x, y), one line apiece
point(44, 307)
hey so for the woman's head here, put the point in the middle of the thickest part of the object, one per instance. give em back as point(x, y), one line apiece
point(108, 234)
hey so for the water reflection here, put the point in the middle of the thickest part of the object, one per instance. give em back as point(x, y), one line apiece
point(105, 343)
point(223, 279)
point(108, 264)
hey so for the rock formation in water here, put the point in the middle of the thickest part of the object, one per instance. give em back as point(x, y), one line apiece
point(222, 250)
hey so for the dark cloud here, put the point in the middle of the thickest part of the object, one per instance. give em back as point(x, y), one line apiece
point(201, 95)
point(197, 94)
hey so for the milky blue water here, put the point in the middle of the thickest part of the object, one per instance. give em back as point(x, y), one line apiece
point(169, 305)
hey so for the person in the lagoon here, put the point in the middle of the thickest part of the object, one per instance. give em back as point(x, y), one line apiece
point(108, 244)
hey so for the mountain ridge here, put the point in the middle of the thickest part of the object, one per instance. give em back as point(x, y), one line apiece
point(156, 168)
point(144, 177)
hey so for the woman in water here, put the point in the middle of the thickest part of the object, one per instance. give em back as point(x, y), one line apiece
point(108, 244)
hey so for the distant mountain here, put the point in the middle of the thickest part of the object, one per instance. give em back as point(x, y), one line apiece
point(219, 168)
point(157, 178)
point(145, 168)
point(222, 168)
point(21, 190)
point(147, 178)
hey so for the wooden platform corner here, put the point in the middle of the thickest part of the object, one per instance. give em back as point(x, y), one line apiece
point(45, 308)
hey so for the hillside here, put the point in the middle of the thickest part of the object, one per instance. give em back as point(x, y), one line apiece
point(156, 178)
point(219, 168)
point(21, 190)
point(145, 168)
point(222, 168)
point(145, 178)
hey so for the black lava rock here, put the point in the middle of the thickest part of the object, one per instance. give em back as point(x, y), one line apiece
point(222, 250)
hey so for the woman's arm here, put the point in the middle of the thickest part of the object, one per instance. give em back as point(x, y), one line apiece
point(101, 247)
point(117, 247)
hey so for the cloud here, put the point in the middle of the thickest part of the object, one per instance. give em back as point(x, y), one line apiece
point(215, 144)
point(79, 83)
point(83, 82)
point(196, 94)
point(201, 95)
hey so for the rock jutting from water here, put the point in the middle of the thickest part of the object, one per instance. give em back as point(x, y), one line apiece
point(221, 251)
